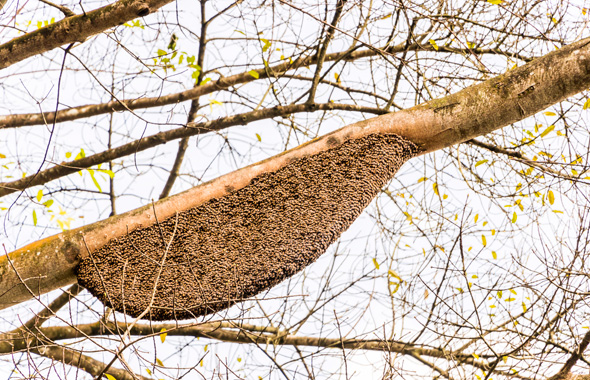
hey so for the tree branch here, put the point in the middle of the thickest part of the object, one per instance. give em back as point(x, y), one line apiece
point(193, 129)
point(86, 363)
point(74, 113)
point(75, 29)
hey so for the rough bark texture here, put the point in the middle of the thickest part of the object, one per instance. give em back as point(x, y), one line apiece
point(479, 109)
point(75, 29)
point(207, 258)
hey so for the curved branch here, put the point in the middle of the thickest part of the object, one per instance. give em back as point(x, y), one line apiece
point(479, 109)
point(75, 29)
point(192, 129)
point(86, 363)
point(75, 113)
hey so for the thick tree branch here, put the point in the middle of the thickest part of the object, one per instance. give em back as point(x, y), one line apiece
point(573, 359)
point(48, 264)
point(75, 29)
point(86, 363)
point(74, 113)
point(192, 129)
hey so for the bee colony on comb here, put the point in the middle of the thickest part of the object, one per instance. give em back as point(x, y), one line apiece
point(207, 258)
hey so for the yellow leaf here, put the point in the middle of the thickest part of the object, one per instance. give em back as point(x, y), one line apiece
point(254, 74)
point(39, 195)
point(433, 43)
point(492, 306)
point(483, 240)
point(239, 359)
point(513, 291)
point(474, 276)
point(435, 188)
point(547, 130)
point(148, 371)
point(495, 2)
point(551, 197)
point(34, 218)
point(494, 255)
point(337, 77)
point(476, 217)
point(514, 216)
point(2, 155)
point(480, 162)
point(163, 334)
point(206, 347)
point(445, 196)
point(524, 307)
point(549, 113)
point(509, 299)
point(422, 179)
point(110, 377)
point(558, 211)
point(159, 362)
point(493, 232)
point(375, 263)
point(258, 137)
point(505, 358)
point(475, 356)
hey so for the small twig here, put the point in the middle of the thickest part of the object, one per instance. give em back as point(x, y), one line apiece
point(65, 10)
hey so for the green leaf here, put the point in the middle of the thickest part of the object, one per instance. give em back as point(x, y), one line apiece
point(39, 195)
point(433, 43)
point(266, 45)
point(94, 179)
point(163, 334)
point(172, 43)
point(480, 162)
point(254, 74)
point(162, 52)
point(34, 218)
point(110, 173)
point(82, 154)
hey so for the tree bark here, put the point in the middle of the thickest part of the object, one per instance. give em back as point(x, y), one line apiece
point(48, 264)
point(75, 29)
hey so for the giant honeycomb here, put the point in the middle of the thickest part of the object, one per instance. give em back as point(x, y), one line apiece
point(207, 258)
